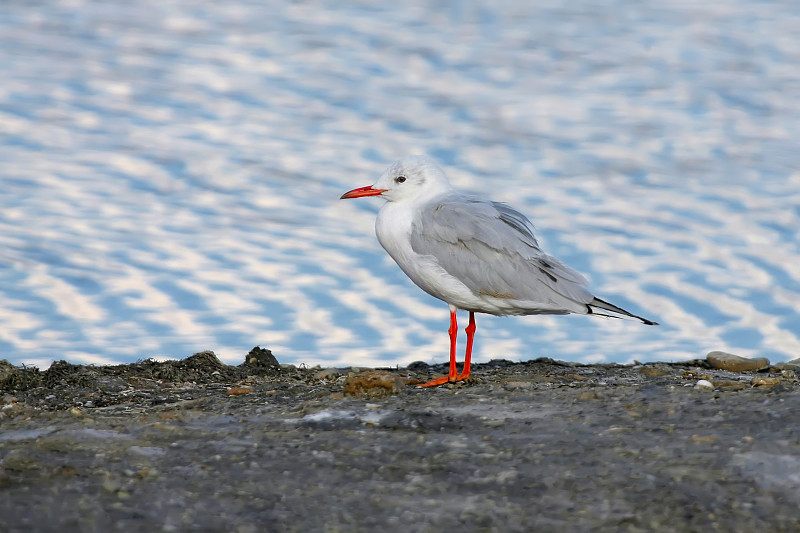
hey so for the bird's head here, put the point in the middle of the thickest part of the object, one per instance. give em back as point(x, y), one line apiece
point(409, 179)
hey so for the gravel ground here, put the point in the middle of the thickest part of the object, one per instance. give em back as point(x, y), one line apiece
point(195, 445)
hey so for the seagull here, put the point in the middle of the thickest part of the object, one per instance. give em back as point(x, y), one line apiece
point(472, 253)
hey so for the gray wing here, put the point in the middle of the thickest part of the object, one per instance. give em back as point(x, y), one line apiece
point(490, 247)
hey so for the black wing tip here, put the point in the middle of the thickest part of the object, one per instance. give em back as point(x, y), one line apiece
point(602, 304)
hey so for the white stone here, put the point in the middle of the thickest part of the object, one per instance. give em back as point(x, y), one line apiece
point(704, 384)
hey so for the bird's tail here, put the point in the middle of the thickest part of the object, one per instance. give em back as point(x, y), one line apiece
point(597, 303)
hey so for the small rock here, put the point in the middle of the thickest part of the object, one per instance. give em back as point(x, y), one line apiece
point(261, 359)
point(373, 384)
point(766, 383)
point(493, 422)
point(695, 373)
point(704, 438)
point(327, 373)
point(704, 384)
point(735, 363)
point(728, 386)
point(418, 366)
point(6, 370)
point(238, 391)
point(654, 371)
point(9, 399)
point(789, 366)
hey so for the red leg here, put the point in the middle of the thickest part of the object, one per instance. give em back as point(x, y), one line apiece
point(453, 331)
point(470, 336)
point(453, 375)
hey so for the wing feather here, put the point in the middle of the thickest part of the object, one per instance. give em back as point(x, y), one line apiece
point(490, 247)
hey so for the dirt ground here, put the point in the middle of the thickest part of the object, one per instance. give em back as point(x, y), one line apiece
point(196, 445)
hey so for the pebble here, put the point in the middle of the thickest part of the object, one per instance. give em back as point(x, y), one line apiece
point(373, 384)
point(728, 386)
point(735, 363)
point(695, 374)
point(238, 391)
point(704, 438)
point(704, 384)
point(766, 383)
point(493, 422)
point(654, 371)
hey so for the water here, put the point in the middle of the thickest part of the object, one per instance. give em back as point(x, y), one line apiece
point(171, 173)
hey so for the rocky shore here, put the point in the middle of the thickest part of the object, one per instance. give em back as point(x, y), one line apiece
point(542, 445)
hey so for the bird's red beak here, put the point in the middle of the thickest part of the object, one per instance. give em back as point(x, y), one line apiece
point(363, 191)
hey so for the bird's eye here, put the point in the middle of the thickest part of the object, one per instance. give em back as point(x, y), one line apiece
point(400, 179)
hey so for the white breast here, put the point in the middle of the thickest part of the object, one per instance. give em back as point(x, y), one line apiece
point(393, 228)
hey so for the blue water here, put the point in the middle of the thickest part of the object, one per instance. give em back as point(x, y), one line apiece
point(170, 173)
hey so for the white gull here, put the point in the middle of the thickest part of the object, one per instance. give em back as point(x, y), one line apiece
point(474, 254)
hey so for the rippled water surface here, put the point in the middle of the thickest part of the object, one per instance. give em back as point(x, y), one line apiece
point(171, 173)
